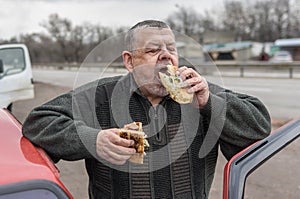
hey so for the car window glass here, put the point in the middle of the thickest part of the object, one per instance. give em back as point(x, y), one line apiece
point(279, 177)
point(13, 60)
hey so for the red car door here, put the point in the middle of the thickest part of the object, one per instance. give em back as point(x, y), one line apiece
point(26, 171)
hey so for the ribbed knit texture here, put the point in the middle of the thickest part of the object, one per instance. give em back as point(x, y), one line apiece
point(54, 127)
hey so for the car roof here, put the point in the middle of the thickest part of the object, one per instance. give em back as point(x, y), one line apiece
point(20, 159)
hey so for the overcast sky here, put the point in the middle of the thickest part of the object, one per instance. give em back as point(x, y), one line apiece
point(25, 16)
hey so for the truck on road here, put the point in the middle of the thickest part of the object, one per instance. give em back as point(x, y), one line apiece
point(16, 82)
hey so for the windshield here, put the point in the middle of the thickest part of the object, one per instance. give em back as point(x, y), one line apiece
point(13, 60)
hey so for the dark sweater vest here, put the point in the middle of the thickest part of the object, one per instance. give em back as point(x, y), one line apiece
point(187, 177)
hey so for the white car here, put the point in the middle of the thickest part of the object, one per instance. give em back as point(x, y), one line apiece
point(282, 56)
point(16, 82)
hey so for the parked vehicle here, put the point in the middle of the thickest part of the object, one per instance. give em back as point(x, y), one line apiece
point(240, 166)
point(16, 82)
point(26, 171)
point(282, 56)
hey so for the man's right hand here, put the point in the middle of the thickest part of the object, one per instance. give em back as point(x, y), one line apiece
point(112, 148)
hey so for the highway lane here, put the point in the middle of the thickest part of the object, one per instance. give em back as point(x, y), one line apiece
point(281, 171)
point(281, 95)
point(278, 94)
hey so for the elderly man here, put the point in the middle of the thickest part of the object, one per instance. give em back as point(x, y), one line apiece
point(184, 139)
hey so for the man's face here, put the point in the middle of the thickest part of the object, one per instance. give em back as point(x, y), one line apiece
point(154, 48)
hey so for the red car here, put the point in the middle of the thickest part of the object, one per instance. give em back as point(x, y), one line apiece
point(26, 171)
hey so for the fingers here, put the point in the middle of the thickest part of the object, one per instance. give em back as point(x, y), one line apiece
point(195, 83)
point(197, 86)
point(111, 147)
point(119, 149)
point(192, 80)
point(117, 140)
point(114, 157)
point(186, 73)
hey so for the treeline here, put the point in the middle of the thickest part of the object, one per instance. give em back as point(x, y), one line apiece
point(63, 41)
point(261, 20)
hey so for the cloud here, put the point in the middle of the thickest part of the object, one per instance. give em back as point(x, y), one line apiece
point(24, 16)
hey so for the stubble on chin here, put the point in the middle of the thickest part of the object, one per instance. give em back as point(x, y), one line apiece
point(150, 85)
point(157, 90)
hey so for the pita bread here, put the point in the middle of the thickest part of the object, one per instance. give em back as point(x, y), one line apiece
point(134, 131)
point(175, 87)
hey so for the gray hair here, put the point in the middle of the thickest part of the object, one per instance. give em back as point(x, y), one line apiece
point(130, 35)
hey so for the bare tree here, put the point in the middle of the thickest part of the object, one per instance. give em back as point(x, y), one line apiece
point(281, 17)
point(60, 30)
point(235, 18)
point(263, 20)
point(36, 43)
point(263, 11)
point(293, 29)
point(251, 20)
point(185, 21)
point(260, 20)
point(77, 41)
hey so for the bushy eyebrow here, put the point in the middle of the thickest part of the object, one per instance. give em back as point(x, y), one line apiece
point(171, 44)
point(158, 44)
point(152, 44)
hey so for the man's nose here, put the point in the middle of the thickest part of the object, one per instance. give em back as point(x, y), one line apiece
point(165, 54)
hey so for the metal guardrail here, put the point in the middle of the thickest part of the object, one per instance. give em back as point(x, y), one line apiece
point(254, 68)
point(224, 68)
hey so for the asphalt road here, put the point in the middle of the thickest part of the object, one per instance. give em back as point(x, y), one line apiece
point(279, 178)
point(280, 95)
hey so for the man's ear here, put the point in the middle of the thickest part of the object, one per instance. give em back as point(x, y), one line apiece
point(127, 60)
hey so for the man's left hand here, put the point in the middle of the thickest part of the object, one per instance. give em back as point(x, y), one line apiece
point(196, 84)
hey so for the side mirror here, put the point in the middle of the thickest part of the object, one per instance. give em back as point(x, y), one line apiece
point(1, 66)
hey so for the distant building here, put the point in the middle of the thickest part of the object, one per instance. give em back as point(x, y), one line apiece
point(191, 49)
point(291, 45)
point(239, 51)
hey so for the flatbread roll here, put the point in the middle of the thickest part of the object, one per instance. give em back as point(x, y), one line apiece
point(134, 131)
point(174, 86)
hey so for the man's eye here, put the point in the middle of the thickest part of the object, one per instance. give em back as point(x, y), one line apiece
point(171, 49)
point(153, 50)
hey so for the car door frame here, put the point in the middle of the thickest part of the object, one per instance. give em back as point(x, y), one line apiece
point(248, 160)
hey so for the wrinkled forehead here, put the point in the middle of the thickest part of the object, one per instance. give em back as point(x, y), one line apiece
point(146, 36)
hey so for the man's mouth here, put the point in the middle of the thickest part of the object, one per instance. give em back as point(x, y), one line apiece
point(163, 68)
